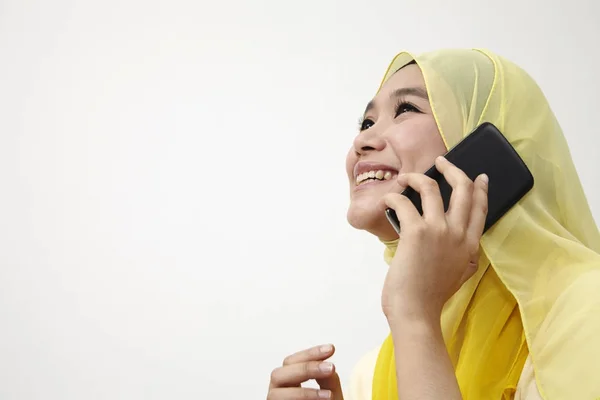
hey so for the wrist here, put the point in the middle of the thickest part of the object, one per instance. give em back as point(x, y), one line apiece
point(411, 330)
point(402, 311)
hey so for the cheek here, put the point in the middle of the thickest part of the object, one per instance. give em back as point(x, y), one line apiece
point(418, 144)
point(351, 159)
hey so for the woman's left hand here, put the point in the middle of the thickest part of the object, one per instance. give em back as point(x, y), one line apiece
point(437, 251)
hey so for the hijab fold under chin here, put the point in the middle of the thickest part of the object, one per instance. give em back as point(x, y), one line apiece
point(390, 249)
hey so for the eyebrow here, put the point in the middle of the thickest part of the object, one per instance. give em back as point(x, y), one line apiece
point(409, 91)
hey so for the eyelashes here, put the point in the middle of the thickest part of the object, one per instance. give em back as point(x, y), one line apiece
point(401, 107)
point(364, 123)
point(404, 106)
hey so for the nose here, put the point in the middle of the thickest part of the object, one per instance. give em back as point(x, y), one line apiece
point(368, 141)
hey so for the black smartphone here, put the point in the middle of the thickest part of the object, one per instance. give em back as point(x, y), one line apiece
point(485, 150)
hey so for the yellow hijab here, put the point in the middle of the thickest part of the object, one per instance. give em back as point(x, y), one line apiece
point(537, 290)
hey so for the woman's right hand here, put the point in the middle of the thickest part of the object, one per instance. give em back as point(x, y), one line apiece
point(303, 366)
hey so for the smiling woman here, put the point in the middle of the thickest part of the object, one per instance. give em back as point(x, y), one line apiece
point(398, 133)
point(510, 314)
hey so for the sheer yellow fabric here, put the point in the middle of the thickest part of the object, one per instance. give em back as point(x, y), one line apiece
point(537, 290)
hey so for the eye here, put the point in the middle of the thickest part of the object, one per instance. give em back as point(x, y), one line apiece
point(404, 107)
point(366, 124)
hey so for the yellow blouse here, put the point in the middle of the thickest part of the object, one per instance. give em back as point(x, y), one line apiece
point(361, 381)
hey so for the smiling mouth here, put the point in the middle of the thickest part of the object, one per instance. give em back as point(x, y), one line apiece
point(374, 176)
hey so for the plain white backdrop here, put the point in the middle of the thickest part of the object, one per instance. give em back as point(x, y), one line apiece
point(172, 184)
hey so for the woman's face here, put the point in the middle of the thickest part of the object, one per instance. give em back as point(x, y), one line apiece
point(398, 134)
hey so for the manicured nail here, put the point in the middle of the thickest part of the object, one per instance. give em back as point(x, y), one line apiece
point(326, 367)
point(324, 394)
point(326, 348)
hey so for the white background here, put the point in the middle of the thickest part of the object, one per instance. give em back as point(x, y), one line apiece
point(173, 193)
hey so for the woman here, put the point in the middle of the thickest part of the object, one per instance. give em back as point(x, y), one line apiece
point(512, 314)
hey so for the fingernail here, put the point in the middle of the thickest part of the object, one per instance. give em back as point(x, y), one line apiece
point(324, 394)
point(326, 348)
point(326, 367)
point(485, 179)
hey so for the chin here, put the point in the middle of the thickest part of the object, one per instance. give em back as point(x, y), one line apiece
point(359, 219)
point(370, 218)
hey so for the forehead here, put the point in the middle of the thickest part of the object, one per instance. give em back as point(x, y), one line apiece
point(407, 77)
point(408, 80)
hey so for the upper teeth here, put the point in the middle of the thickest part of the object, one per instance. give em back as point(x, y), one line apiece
point(381, 175)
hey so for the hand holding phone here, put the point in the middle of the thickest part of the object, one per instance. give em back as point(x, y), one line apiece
point(439, 250)
point(484, 151)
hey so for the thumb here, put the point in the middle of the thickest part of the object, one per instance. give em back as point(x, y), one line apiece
point(332, 383)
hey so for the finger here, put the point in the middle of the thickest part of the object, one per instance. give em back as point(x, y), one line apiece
point(295, 374)
point(459, 209)
point(298, 394)
point(405, 210)
point(317, 353)
point(479, 211)
point(333, 384)
point(431, 199)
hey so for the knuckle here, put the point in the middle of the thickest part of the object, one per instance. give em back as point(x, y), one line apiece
point(459, 233)
point(309, 368)
point(468, 184)
point(484, 207)
point(441, 229)
point(275, 374)
point(400, 200)
point(306, 393)
point(430, 185)
point(287, 360)
point(420, 230)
